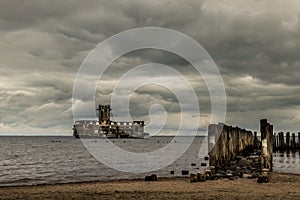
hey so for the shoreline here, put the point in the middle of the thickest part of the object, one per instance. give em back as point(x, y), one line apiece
point(122, 180)
point(280, 185)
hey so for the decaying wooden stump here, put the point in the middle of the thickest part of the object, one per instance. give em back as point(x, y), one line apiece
point(266, 130)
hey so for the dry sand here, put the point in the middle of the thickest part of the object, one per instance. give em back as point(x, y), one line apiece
point(281, 186)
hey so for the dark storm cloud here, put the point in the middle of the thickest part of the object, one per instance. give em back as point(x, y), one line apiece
point(254, 43)
point(264, 46)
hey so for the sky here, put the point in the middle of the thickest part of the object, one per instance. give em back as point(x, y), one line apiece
point(254, 43)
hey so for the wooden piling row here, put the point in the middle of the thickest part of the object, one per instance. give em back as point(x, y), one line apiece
point(227, 142)
point(229, 148)
point(287, 142)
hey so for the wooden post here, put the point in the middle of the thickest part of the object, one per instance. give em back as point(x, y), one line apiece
point(212, 147)
point(281, 141)
point(271, 147)
point(293, 142)
point(255, 140)
point(298, 140)
point(267, 145)
point(287, 137)
point(275, 142)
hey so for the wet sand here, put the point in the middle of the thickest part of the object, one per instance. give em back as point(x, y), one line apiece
point(281, 186)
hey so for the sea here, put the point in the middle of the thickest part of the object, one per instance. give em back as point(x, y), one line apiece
point(51, 160)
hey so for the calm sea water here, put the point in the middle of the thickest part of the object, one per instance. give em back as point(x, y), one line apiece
point(41, 160)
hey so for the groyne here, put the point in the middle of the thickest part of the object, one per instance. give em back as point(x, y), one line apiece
point(286, 142)
point(235, 153)
point(227, 142)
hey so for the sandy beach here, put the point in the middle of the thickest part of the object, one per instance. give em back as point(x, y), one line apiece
point(281, 186)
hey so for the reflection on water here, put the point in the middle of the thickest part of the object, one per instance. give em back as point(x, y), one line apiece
point(287, 162)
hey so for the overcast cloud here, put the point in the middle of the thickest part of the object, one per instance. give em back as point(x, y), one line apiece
point(255, 44)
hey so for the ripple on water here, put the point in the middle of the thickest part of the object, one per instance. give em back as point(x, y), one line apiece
point(38, 160)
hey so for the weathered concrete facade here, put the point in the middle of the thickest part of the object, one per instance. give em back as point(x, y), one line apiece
point(105, 127)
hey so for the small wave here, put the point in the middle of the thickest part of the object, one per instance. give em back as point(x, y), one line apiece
point(21, 181)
